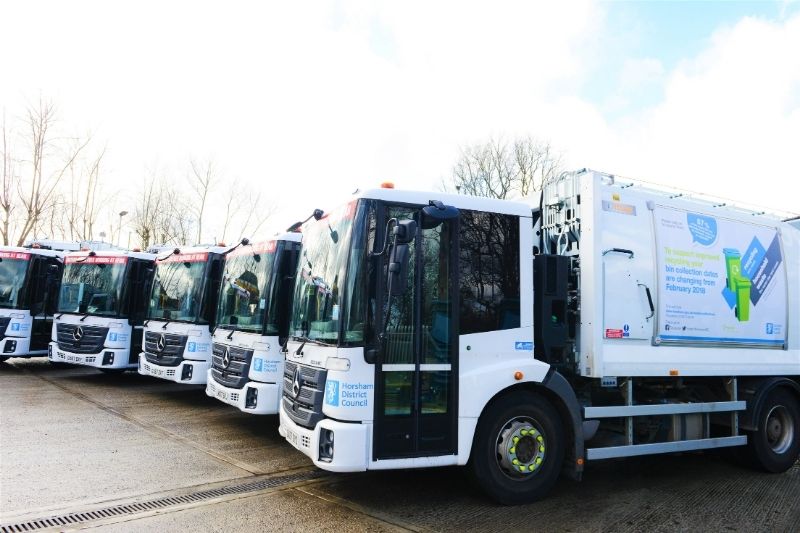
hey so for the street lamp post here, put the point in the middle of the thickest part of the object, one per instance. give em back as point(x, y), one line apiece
point(119, 234)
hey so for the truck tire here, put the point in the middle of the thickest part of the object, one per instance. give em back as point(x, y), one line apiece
point(775, 447)
point(518, 449)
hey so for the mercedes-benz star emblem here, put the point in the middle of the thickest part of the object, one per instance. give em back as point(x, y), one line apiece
point(296, 382)
point(78, 333)
point(226, 358)
point(161, 343)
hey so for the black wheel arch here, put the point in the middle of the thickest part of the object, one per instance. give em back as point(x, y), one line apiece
point(754, 391)
point(557, 390)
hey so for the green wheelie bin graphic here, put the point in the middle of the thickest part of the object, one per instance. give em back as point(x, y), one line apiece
point(737, 284)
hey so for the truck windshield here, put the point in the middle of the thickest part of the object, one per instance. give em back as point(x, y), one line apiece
point(245, 284)
point(178, 289)
point(13, 267)
point(93, 287)
point(321, 290)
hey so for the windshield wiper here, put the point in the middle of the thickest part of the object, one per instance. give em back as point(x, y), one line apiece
point(300, 349)
point(166, 324)
point(84, 317)
point(230, 335)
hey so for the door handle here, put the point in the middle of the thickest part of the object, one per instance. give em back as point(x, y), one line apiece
point(649, 300)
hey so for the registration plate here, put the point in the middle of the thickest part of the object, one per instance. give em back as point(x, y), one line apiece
point(291, 436)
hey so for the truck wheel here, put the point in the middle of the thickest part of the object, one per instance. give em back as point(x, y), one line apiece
point(775, 447)
point(518, 450)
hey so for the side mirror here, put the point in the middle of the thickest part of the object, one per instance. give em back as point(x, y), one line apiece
point(52, 275)
point(397, 281)
point(435, 213)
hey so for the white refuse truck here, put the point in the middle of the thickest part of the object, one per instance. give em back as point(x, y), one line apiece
point(252, 324)
point(101, 308)
point(181, 313)
point(610, 321)
point(29, 281)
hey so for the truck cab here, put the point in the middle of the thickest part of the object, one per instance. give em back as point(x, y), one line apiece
point(252, 324)
point(101, 308)
point(29, 282)
point(181, 314)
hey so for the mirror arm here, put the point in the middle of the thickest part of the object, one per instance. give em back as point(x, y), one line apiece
point(385, 238)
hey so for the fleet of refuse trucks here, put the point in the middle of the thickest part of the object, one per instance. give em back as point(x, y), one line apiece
point(413, 329)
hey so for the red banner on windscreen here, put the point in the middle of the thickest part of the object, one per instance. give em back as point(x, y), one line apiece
point(22, 256)
point(200, 257)
point(256, 248)
point(96, 259)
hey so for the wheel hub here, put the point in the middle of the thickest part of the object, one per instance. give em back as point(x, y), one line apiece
point(779, 429)
point(520, 448)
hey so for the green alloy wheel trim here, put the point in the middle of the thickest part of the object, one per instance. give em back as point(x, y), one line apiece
point(520, 448)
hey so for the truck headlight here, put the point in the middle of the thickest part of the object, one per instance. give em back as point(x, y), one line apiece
point(186, 373)
point(251, 399)
point(108, 358)
point(326, 445)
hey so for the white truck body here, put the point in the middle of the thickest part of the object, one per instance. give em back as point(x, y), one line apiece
point(26, 300)
point(650, 323)
point(247, 357)
point(101, 309)
point(185, 289)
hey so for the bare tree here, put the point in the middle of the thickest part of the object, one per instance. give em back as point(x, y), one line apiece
point(147, 213)
point(177, 223)
point(498, 169)
point(45, 175)
point(82, 208)
point(203, 178)
point(9, 186)
point(256, 215)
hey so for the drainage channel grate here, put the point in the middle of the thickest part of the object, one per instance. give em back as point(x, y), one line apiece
point(73, 519)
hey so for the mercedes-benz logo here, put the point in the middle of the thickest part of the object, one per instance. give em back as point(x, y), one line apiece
point(161, 343)
point(296, 382)
point(78, 333)
point(226, 358)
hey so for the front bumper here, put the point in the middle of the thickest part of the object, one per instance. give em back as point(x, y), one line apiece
point(17, 347)
point(350, 446)
point(115, 358)
point(187, 372)
point(266, 396)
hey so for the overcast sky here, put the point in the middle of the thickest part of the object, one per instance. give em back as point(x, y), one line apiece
point(308, 101)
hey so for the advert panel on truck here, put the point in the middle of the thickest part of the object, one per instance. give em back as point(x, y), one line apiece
point(101, 308)
point(181, 314)
point(252, 324)
point(29, 281)
point(609, 320)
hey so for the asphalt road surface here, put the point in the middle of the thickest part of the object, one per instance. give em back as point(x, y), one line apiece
point(82, 449)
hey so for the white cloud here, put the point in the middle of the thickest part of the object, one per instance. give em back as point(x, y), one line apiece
point(309, 101)
point(729, 123)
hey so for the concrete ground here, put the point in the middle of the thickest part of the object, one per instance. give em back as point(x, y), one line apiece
point(124, 452)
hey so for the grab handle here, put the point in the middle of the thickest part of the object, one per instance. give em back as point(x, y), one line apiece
point(649, 300)
point(619, 251)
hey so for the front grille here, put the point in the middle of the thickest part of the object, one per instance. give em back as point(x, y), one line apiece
point(4, 320)
point(234, 374)
point(170, 355)
point(304, 407)
point(90, 340)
